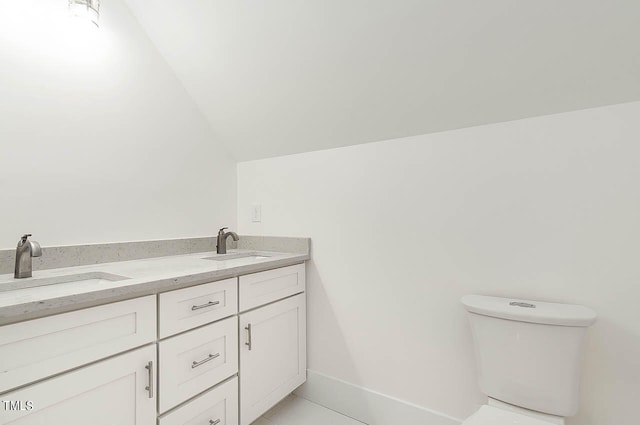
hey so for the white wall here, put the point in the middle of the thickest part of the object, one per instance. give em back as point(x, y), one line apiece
point(286, 76)
point(545, 208)
point(99, 142)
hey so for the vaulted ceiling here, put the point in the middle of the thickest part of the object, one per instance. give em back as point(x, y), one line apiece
point(276, 77)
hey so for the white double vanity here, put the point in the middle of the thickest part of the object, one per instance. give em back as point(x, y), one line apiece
point(200, 342)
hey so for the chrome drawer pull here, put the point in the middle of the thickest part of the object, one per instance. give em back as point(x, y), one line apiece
point(521, 304)
point(248, 343)
point(212, 422)
point(201, 362)
point(209, 304)
point(149, 367)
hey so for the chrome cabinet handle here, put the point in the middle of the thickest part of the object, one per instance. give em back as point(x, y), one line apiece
point(248, 343)
point(201, 362)
point(149, 367)
point(212, 422)
point(209, 304)
point(521, 304)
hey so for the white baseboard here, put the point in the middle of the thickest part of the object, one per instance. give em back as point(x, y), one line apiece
point(365, 405)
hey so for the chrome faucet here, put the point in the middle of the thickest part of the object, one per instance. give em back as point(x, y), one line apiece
point(221, 247)
point(24, 252)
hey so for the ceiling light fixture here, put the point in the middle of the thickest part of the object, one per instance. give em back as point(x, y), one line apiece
point(87, 9)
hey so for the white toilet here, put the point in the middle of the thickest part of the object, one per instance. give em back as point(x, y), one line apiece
point(528, 355)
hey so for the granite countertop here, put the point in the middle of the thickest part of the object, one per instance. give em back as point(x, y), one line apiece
point(145, 277)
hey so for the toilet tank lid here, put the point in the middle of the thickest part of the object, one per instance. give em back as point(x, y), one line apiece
point(530, 311)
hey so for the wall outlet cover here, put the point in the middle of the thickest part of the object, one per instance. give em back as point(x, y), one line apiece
point(256, 213)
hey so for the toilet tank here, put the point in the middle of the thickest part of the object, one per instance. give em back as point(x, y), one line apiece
point(528, 352)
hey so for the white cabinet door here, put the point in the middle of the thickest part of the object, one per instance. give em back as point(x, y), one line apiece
point(273, 355)
point(111, 392)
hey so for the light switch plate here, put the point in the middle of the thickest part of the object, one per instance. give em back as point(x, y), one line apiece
point(256, 213)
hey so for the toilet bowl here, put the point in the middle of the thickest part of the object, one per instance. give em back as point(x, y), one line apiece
point(528, 355)
point(499, 413)
point(488, 415)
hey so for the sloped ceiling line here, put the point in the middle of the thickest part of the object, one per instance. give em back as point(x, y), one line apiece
point(283, 76)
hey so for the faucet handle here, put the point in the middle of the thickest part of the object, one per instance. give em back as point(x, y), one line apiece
point(221, 231)
point(23, 239)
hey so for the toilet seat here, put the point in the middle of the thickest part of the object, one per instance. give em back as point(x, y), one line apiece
point(489, 415)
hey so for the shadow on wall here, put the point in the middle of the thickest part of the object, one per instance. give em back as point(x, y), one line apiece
point(352, 397)
point(601, 354)
point(324, 323)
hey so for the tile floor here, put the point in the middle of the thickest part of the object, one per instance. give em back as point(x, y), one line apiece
point(298, 411)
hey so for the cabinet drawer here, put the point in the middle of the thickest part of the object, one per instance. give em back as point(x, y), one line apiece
point(264, 287)
point(191, 307)
point(192, 362)
point(35, 349)
point(217, 406)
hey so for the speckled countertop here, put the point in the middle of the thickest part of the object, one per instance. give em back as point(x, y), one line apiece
point(145, 277)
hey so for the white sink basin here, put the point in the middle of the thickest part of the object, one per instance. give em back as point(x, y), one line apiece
point(92, 278)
